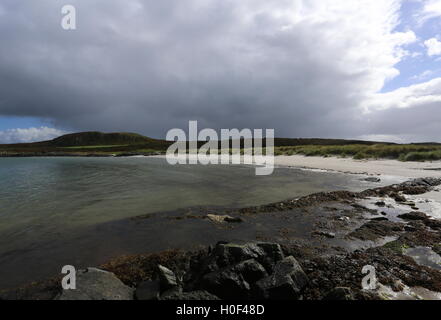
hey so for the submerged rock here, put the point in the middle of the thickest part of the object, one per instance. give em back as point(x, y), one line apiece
point(96, 284)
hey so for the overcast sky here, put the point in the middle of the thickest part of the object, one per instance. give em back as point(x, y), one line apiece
point(307, 68)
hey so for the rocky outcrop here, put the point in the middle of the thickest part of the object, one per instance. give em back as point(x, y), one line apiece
point(96, 284)
point(248, 271)
point(286, 282)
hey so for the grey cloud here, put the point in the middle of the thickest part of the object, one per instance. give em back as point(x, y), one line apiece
point(148, 66)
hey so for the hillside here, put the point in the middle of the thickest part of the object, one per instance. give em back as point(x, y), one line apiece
point(98, 139)
point(90, 143)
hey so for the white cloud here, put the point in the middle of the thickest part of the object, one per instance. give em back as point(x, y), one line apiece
point(431, 9)
point(29, 135)
point(425, 75)
point(298, 66)
point(406, 97)
point(433, 47)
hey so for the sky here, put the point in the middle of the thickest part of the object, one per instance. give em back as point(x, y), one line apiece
point(358, 69)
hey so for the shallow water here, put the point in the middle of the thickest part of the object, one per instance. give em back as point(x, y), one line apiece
point(48, 203)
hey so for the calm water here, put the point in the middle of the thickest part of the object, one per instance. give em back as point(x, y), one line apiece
point(49, 206)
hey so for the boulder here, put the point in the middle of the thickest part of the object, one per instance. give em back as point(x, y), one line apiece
point(148, 290)
point(251, 270)
point(273, 251)
point(227, 254)
point(286, 283)
point(96, 284)
point(167, 278)
point(226, 284)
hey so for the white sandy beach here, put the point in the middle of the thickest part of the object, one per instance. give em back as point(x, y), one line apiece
point(396, 168)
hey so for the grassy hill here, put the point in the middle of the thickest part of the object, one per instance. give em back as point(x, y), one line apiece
point(89, 143)
point(99, 139)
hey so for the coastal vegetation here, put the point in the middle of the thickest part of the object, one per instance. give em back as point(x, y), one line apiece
point(408, 152)
point(120, 144)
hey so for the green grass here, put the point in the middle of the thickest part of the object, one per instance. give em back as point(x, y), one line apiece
point(96, 147)
point(408, 152)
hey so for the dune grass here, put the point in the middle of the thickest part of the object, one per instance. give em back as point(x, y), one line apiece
point(408, 152)
point(95, 147)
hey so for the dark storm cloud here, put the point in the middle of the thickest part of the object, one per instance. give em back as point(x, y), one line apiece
point(148, 66)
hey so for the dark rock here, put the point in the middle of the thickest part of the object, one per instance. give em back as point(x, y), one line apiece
point(273, 254)
point(176, 290)
point(410, 228)
point(167, 278)
point(340, 293)
point(380, 219)
point(325, 234)
point(233, 219)
point(434, 224)
point(380, 203)
point(148, 290)
point(227, 254)
point(413, 216)
point(375, 229)
point(437, 248)
point(226, 284)
point(193, 295)
point(398, 198)
point(251, 270)
point(286, 283)
point(224, 218)
point(96, 284)
point(372, 179)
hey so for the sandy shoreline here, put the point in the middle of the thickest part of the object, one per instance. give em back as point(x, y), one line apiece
point(384, 167)
point(408, 170)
